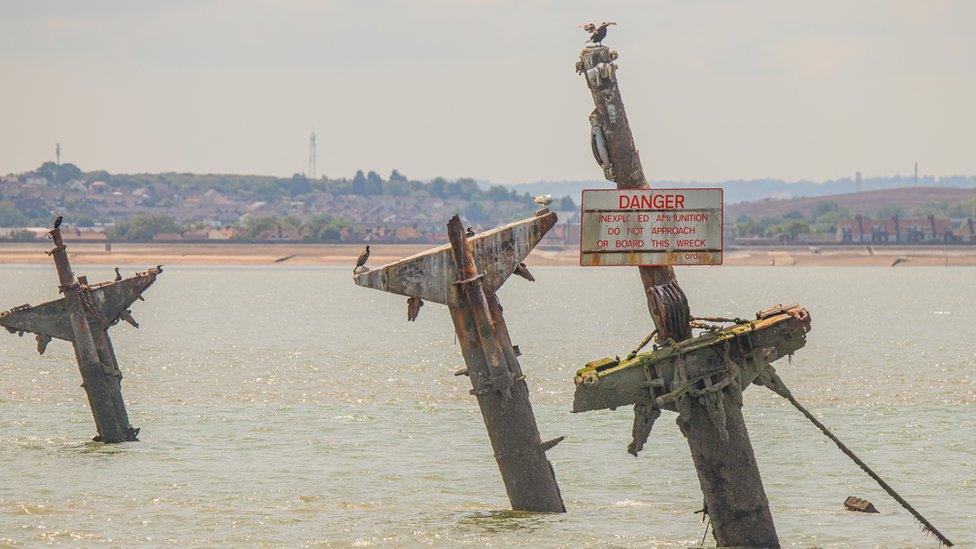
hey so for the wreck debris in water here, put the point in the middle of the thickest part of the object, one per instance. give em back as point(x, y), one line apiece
point(700, 378)
point(464, 275)
point(83, 317)
point(711, 417)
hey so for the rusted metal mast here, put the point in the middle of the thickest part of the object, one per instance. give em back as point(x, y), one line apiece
point(721, 450)
point(615, 152)
point(83, 317)
point(464, 276)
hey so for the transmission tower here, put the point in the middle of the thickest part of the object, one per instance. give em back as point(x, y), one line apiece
point(311, 156)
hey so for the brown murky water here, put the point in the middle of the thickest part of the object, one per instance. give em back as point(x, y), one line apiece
point(285, 406)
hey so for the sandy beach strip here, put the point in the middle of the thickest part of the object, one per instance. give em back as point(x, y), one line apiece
point(19, 253)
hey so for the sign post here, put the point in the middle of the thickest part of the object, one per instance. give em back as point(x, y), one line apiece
point(651, 227)
point(721, 450)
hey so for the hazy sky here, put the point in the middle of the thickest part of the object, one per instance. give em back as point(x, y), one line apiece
point(714, 90)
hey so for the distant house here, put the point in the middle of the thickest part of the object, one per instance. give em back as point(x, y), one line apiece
point(894, 230)
point(280, 234)
point(20, 233)
point(225, 233)
point(89, 234)
point(196, 235)
point(966, 231)
point(213, 198)
point(564, 232)
point(168, 236)
point(859, 229)
point(778, 239)
point(407, 234)
point(814, 238)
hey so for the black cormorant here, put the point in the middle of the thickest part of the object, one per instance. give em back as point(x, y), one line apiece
point(118, 275)
point(597, 34)
point(362, 259)
point(57, 222)
point(413, 308)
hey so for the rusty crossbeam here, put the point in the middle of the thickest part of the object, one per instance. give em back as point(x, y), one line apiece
point(721, 450)
point(83, 317)
point(464, 275)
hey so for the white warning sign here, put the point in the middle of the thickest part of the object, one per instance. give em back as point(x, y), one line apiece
point(651, 227)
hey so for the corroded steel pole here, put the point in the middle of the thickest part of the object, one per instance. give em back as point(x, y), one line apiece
point(464, 275)
point(614, 149)
point(83, 317)
point(726, 465)
point(113, 378)
point(99, 376)
point(500, 388)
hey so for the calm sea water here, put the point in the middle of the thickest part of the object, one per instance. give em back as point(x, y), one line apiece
point(286, 406)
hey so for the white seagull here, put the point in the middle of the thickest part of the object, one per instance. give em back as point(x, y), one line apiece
point(543, 199)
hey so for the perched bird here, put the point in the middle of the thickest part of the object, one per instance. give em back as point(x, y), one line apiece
point(57, 222)
point(362, 259)
point(118, 275)
point(597, 34)
point(523, 272)
point(543, 199)
point(413, 307)
point(469, 232)
point(126, 315)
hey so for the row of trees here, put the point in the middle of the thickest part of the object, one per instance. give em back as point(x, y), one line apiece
point(143, 228)
point(267, 188)
point(10, 216)
point(964, 209)
point(826, 215)
point(318, 228)
point(823, 218)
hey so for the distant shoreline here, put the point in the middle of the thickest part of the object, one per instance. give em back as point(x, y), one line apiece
point(34, 253)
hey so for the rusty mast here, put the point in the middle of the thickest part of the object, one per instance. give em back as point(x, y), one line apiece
point(464, 275)
point(83, 317)
point(700, 378)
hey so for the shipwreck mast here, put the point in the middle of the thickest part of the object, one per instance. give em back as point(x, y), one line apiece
point(725, 462)
point(83, 317)
point(464, 275)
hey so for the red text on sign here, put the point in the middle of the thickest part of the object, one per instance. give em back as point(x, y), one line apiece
point(654, 201)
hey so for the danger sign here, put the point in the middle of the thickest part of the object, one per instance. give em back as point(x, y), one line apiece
point(651, 227)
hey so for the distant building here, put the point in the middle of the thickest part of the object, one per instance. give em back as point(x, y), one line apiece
point(815, 238)
point(168, 236)
point(407, 234)
point(966, 231)
point(778, 239)
point(281, 234)
point(196, 235)
point(225, 233)
point(20, 233)
point(88, 234)
point(895, 230)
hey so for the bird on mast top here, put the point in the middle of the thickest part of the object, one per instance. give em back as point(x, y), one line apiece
point(597, 33)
